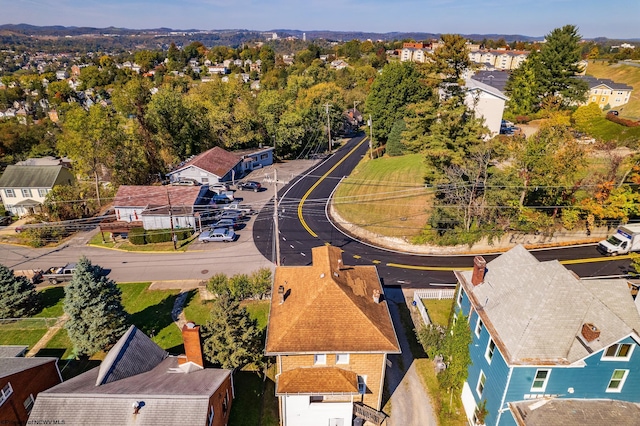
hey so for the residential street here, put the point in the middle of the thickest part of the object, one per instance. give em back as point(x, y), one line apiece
point(410, 404)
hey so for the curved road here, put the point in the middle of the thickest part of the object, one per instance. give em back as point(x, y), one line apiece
point(307, 197)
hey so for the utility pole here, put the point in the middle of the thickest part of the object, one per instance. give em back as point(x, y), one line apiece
point(370, 137)
point(276, 235)
point(327, 106)
point(173, 235)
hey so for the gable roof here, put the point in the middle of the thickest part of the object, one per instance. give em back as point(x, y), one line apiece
point(329, 307)
point(35, 176)
point(535, 310)
point(10, 351)
point(316, 381)
point(497, 79)
point(133, 354)
point(216, 161)
point(575, 412)
point(14, 365)
point(595, 82)
point(473, 84)
point(143, 196)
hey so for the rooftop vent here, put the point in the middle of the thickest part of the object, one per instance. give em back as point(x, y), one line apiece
point(590, 332)
point(376, 296)
point(281, 294)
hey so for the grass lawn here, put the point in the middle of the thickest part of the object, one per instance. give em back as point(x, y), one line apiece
point(620, 73)
point(22, 333)
point(151, 312)
point(438, 310)
point(197, 310)
point(386, 196)
point(59, 343)
point(52, 302)
point(127, 246)
point(258, 310)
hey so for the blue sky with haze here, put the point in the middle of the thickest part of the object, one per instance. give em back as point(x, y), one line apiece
point(594, 18)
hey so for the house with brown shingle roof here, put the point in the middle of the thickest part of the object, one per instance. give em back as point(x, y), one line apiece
point(155, 207)
point(218, 165)
point(331, 331)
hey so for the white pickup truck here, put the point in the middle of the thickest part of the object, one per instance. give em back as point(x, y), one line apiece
point(243, 208)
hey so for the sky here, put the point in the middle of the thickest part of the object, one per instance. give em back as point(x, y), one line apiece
point(618, 19)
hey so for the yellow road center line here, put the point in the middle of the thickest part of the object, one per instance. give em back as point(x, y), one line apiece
point(450, 268)
point(306, 195)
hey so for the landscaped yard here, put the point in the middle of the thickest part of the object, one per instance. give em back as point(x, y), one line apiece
point(438, 310)
point(386, 196)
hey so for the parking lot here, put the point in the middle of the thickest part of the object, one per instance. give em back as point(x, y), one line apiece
point(257, 200)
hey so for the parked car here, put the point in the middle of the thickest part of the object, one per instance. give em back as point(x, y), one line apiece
point(221, 186)
point(250, 185)
point(231, 214)
point(217, 234)
point(186, 182)
point(5, 220)
point(226, 223)
point(245, 209)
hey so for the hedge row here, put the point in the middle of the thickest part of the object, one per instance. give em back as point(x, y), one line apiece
point(141, 236)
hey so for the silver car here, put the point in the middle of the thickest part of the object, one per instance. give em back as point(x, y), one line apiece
point(217, 234)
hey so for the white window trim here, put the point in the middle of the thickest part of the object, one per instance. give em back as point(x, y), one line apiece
point(544, 384)
point(479, 325)
point(26, 192)
point(320, 359)
point(617, 358)
point(624, 379)
point(480, 376)
point(459, 298)
point(29, 403)
point(10, 193)
point(345, 359)
point(5, 393)
point(486, 352)
point(42, 192)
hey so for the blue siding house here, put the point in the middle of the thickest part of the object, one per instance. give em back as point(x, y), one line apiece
point(540, 333)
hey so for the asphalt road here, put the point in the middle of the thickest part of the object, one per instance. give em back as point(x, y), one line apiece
point(307, 198)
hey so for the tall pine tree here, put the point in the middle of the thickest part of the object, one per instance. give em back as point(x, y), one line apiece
point(18, 296)
point(94, 305)
point(231, 338)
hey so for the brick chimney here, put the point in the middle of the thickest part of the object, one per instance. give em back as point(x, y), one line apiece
point(192, 344)
point(590, 332)
point(479, 265)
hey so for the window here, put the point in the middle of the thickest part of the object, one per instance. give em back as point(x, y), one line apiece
point(460, 297)
point(26, 193)
point(491, 347)
point(204, 180)
point(478, 327)
point(42, 192)
point(316, 398)
point(540, 380)
point(604, 99)
point(10, 193)
point(320, 359)
point(481, 379)
point(225, 402)
point(342, 358)
point(264, 156)
point(5, 393)
point(28, 404)
point(617, 380)
point(211, 415)
point(618, 352)
point(362, 384)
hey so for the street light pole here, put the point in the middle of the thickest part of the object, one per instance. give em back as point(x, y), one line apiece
point(173, 235)
point(370, 137)
point(275, 216)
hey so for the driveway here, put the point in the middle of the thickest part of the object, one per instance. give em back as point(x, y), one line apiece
point(410, 403)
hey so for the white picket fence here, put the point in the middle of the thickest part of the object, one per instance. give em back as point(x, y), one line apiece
point(418, 295)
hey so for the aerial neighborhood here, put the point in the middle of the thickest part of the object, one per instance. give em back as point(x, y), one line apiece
point(318, 228)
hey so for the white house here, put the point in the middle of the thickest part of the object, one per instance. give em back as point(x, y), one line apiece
point(24, 188)
point(487, 102)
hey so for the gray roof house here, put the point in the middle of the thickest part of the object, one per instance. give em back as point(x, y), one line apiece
point(24, 188)
point(138, 383)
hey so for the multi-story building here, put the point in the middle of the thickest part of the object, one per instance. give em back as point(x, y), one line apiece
point(541, 333)
point(331, 331)
point(605, 92)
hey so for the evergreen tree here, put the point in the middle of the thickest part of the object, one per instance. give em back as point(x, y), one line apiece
point(399, 85)
point(94, 306)
point(559, 59)
point(523, 89)
point(231, 338)
point(18, 296)
point(395, 146)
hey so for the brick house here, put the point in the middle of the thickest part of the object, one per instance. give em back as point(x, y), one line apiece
point(138, 383)
point(21, 380)
point(331, 331)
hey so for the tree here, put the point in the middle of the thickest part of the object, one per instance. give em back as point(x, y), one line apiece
point(231, 339)
point(451, 60)
point(399, 85)
point(94, 306)
point(523, 89)
point(91, 139)
point(395, 146)
point(261, 281)
point(559, 63)
point(455, 350)
point(18, 296)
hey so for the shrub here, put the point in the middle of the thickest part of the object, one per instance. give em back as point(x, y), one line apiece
point(137, 236)
point(623, 121)
point(40, 236)
point(184, 234)
point(158, 236)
